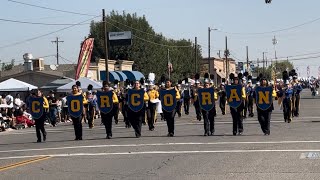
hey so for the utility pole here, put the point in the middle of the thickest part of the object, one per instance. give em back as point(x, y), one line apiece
point(247, 59)
point(106, 52)
point(263, 70)
point(169, 64)
point(209, 38)
point(195, 55)
point(226, 54)
point(258, 65)
point(57, 43)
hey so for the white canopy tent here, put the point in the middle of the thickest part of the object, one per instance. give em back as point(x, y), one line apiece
point(14, 85)
point(84, 85)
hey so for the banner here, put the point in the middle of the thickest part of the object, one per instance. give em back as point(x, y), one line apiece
point(75, 105)
point(168, 99)
point(206, 98)
point(105, 102)
point(136, 99)
point(84, 58)
point(264, 97)
point(36, 107)
point(234, 95)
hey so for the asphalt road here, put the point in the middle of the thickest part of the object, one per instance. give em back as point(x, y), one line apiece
point(292, 151)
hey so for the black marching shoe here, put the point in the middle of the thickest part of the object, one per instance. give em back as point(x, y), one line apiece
point(212, 133)
point(44, 137)
point(240, 133)
point(38, 141)
point(108, 137)
point(170, 135)
point(138, 135)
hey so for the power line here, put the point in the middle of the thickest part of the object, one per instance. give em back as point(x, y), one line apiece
point(37, 37)
point(274, 31)
point(52, 9)
point(40, 23)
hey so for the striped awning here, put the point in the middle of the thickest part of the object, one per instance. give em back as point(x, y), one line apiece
point(133, 75)
point(121, 75)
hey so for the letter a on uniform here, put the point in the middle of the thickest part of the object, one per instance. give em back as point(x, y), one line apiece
point(206, 98)
point(234, 96)
point(168, 99)
point(75, 105)
point(36, 107)
point(105, 102)
point(135, 99)
point(264, 97)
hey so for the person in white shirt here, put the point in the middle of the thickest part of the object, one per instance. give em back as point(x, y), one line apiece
point(17, 101)
point(9, 100)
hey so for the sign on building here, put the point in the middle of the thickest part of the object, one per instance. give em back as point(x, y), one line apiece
point(120, 38)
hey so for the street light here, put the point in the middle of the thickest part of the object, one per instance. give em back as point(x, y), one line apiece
point(209, 49)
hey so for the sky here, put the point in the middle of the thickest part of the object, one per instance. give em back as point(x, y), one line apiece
point(249, 23)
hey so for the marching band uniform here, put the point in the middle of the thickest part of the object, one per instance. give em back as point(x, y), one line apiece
point(250, 97)
point(179, 102)
point(151, 109)
point(136, 118)
point(107, 117)
point(208, 116)
point(125, 108)
point(186, 94)
point(264, 116)
point(194, 97)
point(169, 116)
point(297, 88)
point(116, 105)
point(222, 98)
point(77, 124)
point(236, 113)
point(286, 94)
point(40, 122)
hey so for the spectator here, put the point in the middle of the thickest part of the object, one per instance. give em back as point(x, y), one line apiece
point(9, 100)
point(17, 101)
point(64, 106)
point(53, 108)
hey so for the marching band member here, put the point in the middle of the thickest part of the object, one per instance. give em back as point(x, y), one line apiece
point(286, 96)
point(250, 92)
point(151, 109)
point(194, 97)
point(222, 97)
point(104, 102)
point(91, 106)
point(116, 105)
point(76, 113)
point(297, 88)
point(179, 102)
point(207, 97)
point(38, 104)
point(264, 95)
point(169, 97)
point(136, 103)
point(235, 100)
point(186, 94)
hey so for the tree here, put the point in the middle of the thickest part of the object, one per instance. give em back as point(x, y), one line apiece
point(148, 50)
point(278, 67)
point(6, 67)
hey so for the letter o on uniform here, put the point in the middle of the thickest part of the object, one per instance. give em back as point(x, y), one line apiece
point(75, 105)
point(168, 100)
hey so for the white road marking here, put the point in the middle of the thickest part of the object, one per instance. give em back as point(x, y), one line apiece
point(161, 152)
point(156, 144)
point(161, 124)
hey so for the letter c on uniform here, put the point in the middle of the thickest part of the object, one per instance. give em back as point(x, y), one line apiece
point(133, 99)
point(35, 106)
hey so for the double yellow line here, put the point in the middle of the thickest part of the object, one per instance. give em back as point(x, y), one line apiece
point(10, 166)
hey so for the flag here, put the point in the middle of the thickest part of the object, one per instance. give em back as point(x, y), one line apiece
point(84, 58)
point(170, 69)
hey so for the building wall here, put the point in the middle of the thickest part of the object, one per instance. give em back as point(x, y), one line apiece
point(219, 65)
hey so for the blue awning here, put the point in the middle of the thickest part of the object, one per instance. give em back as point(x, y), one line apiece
point(133, 75)
point(122, 76)
point(112, 76)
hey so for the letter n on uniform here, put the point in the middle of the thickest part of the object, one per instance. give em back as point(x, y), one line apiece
point(264, 97)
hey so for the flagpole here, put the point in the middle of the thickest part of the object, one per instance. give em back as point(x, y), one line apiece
point(169, 64)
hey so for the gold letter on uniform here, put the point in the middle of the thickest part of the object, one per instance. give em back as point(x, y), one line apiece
point(133, 102)
point(234, 95)
point(168, 100)
point(206, 98)
point(75, 105)
point(263, 97)
point(35, 106)
point(105, 101)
